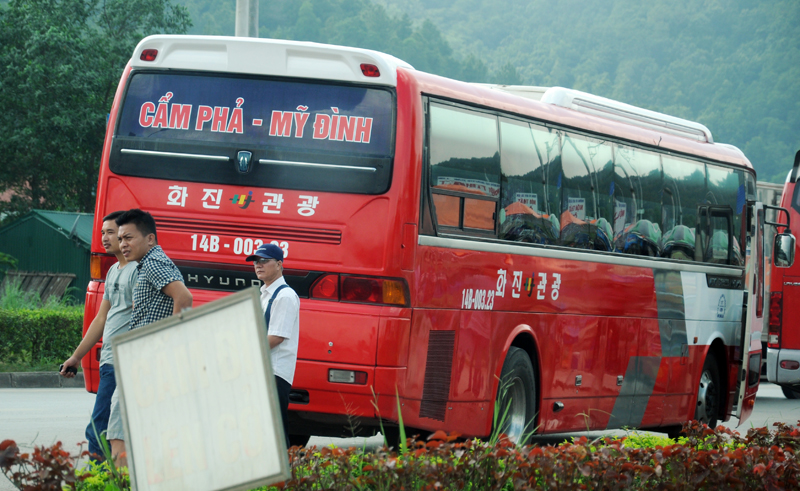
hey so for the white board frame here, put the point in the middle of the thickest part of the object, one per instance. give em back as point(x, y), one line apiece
point(254, 331)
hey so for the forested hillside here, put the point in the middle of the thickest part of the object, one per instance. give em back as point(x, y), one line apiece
point(733, 66)
point(357, 23)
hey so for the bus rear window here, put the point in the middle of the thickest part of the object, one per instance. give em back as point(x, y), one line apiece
point(256, 132)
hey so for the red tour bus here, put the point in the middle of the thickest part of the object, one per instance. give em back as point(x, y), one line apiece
point(443, 236)
point(783, 340)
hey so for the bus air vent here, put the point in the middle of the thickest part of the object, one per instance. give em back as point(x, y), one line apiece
point(619, 111)
point(438, 367)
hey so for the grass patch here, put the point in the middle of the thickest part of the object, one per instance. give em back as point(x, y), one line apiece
point(49, 365)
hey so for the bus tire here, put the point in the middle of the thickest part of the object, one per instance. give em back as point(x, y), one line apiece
point(709, 393)
point(515, 409)
point(791, 391)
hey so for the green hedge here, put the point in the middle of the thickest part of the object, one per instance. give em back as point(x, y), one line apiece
point(36, 336)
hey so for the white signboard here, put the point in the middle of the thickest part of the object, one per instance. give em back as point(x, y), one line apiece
point(577, 207)
point(199, 402)
point(529, 199)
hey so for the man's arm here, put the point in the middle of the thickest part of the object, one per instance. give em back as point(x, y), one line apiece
point(93, 335)
point(181, 297)
point(285, 310)
point(274, 340)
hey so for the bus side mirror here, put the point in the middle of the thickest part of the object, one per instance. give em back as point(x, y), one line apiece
point(783, 253)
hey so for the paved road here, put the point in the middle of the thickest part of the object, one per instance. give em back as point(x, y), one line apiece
point(45, 416)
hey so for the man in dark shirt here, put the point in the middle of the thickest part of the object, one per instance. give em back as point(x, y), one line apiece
point(160, 291)
point(158, 294)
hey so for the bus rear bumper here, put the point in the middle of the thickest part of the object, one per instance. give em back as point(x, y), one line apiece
point(782, 376)
point(320, 407)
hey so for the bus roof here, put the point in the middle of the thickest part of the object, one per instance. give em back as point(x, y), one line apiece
point(267, 57)
point(602, 117)
point(610, 109)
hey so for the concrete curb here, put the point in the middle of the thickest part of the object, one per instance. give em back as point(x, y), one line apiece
point(39, 380)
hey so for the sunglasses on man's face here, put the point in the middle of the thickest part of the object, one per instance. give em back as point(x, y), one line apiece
point(263, 260)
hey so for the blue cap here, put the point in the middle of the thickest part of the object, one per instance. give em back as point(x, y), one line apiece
point(267, 251)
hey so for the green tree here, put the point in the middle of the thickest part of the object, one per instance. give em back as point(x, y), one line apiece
point(507, 75)
point(60, 63)
point(7, 261)
point(358, 23)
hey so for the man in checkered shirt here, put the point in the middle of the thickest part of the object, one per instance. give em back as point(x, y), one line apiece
point(158, 294)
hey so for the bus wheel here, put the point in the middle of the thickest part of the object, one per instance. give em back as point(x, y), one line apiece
point(708, 393)
point(791, 391)
point(515, 409)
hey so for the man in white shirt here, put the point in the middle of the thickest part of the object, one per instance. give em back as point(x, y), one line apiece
point(282, 314)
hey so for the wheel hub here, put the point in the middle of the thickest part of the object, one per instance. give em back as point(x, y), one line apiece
point(706, 399)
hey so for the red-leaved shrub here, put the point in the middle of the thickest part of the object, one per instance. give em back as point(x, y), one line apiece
point(704, 459)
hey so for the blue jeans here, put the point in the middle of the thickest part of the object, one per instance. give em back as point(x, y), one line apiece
point(102, 408)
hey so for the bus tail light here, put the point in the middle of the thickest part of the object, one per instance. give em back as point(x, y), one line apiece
point(148, 55)
point(361, 289)
point(790, 365)
point(373, 290)
point(326, 287)
point(370, 70)
point(99, 264)
point(775, 314)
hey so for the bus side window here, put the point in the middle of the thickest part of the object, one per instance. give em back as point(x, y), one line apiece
point(479, 214)
point(464, 168)
point(685, 181)
point(524, 209)
point(728, 189)
point(796, 199)
point(717, 246)
point(637, 211)
point(714, 229)
point(585, 183)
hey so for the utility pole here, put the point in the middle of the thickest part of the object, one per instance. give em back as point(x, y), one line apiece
point(247, 18)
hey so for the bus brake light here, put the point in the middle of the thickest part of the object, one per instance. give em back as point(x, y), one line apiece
point(99, 264)
point(370, 70)
point(775, 314)
point(148, 55)
point(790, 365)
point(326, 287)
point(360, 289)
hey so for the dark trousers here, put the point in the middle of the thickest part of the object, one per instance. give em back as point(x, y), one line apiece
point(284, 388)
point(102, 409)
